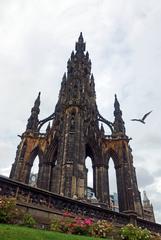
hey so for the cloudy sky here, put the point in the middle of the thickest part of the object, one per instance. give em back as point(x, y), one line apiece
point(124, 42)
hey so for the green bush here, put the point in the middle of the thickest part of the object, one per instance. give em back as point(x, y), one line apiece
point(61, 224)
point(8, 211)
point(55, 225)
point(130, 232)
point(28, 220)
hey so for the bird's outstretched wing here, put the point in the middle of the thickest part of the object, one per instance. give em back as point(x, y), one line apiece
point(145, 116)
point(136, 120)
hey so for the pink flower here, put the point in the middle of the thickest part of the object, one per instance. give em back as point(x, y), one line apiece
point(88, 221)
point(66, 214)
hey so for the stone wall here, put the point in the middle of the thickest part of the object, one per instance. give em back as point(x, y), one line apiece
point(45, 205)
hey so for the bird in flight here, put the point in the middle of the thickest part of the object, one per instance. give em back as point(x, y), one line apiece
point(142, 119)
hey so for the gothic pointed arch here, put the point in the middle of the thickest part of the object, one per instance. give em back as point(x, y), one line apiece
point(111, 153)
point(36, 152)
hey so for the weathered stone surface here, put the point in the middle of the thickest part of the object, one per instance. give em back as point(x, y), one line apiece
point(74, 135)
point(45, 206)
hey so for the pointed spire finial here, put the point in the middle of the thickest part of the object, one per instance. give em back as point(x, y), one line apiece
point(33, 119)
point(87, 55)
point(118, 122)
point(64, 77)
point(37, 101)
point(72, 54)
point(102, 129)
point(92, 77)
point(80, 39)
point(145, 198)
point(48, 128)
point(80, 45)
point(116, 104)
point(146, 201)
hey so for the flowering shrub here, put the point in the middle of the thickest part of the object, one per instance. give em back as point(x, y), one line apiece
point(8, 210)
point(67, 214)
point(63, 224)
point(81, 226)
point(102, 228)
point(68, 224)
point(129, 232)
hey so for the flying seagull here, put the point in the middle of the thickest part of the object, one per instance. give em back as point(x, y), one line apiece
point(142, 120)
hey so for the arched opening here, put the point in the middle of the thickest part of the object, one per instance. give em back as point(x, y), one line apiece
point(89, 178)
point(33, 177)
point(113, 187)
point(89, 185)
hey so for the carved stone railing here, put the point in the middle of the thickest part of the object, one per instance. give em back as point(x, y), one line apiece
point(155, 227)
point(47, 201)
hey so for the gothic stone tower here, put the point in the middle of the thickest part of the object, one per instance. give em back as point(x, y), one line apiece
point(148, 211)
point(74, 135)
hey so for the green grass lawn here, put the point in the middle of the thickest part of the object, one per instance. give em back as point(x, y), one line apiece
point(13, 232)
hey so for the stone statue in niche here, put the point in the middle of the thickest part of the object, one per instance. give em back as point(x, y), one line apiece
point(72, 124)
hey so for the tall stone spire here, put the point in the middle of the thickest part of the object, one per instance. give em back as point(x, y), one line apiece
point(80, 46)
point(102, 130)
point(33, 119)
point(148, 208)
point(146, 201)
point(92, 84)
point(79, 64)
point(119, 127)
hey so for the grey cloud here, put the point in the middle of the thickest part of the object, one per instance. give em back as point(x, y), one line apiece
point(123, 40)
point(158, 172)
point(151, 140)
point(7, 149)
point(144, 177)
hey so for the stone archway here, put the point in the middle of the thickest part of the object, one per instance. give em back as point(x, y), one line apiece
point(118, 151)
point(89, 162)
point(36, 152)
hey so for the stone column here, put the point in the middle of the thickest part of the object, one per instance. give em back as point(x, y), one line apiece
point(125, 190)
point(45, 176)
point(102, 184)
